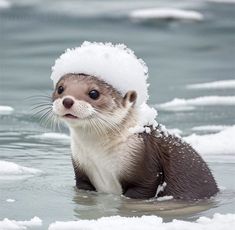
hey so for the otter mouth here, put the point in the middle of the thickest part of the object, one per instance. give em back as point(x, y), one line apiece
point(70, 116)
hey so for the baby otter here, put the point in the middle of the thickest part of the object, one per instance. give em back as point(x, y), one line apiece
point(108, 157)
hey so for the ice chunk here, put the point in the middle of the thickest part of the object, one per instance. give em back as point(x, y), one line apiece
point(218, 222)
point(7, 224)
point(165, 13)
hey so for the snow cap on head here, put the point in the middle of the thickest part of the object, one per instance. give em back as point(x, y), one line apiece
point(115, 64)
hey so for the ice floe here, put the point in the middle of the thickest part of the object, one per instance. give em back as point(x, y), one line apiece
point(4, 4)
point(218, 222)
point(181, 104)
point(165, 13)
point(211, 128)
point(7, 224)
point(221, 143)
point(222, 1)
point(10, 200)
point(5, 110)
point(226, 84)
point(59, 136)
point(10, 170)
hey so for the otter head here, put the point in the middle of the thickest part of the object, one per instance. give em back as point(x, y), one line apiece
point(85, 101)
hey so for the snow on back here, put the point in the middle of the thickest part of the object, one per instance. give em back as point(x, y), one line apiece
point(180, 104)
point(165, 13)
point(115, 64)
point(7, 224)
point(218, 222)
point(221, 144)
point(8, 170)
point(226, 84)
point(5, 110)
point(147, 116)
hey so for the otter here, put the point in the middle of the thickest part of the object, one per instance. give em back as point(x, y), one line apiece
point(108, 157)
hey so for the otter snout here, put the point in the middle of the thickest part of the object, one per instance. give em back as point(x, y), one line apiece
point(68, 102)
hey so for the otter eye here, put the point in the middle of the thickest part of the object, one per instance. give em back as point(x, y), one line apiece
point(94, 94)
point(60, 90)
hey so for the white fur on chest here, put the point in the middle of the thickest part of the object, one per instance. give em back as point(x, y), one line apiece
point(103, 167)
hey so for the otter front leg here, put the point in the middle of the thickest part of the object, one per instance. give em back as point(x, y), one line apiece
point(82, 180)
point(138, 192)
point(84, 184)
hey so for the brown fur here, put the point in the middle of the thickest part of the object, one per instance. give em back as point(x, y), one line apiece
point(80, 85)
point(175, 162)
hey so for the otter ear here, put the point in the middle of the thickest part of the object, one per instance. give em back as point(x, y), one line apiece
point(130, 97)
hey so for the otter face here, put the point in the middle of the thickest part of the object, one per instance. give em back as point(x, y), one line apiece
point(83, 100)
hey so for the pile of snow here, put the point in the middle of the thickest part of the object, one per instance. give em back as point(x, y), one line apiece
point(226, 84)
point(5, 110)
point(4, 4)
point(147, 116)
point(218, 143)
point(181, 104)
point(211, 128)
point(218, 222)
point(115, 64)
point(165, 13)
point(11, 169)
point(46, 136)
point(7, 224)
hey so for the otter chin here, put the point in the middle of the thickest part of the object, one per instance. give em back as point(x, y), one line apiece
point(107, 157)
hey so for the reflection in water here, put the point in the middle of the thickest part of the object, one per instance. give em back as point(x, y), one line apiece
point(109, 205)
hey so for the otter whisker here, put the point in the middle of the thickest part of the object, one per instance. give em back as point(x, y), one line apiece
point(40, 110)
point(109, 124)
point(41, 105)
point(44, 116)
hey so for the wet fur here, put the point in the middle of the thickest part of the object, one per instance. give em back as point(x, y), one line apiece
point(108, 158)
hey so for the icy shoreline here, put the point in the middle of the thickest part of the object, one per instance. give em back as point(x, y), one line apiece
point(218, 222)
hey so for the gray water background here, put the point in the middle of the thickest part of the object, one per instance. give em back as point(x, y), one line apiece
point(34, 33)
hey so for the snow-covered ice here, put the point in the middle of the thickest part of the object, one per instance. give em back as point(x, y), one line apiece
point(115, 64)
point(165, 13)
point(5, 110)
point(221, 143)
point(225, 84)
point(10, 170)
point(7, 224)
point(217, 222)
point(181, 104)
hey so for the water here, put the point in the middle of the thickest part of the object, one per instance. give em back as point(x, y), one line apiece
point(34, 33)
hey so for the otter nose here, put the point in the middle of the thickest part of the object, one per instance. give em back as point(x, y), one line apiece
point(68, 103)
